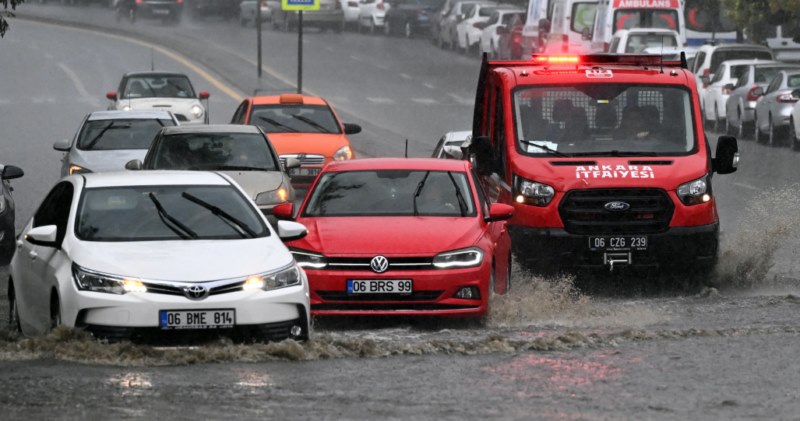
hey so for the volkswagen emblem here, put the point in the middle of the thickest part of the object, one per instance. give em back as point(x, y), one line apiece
point(617, 206)
point(379, 264)
point(195, 292)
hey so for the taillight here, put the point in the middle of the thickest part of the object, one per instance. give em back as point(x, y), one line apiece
point(381, 6)
point(787, 98)
point(516, 38)
point(707, 72)
point(751, 95)
point(139, 1)
point(605, 47)
point(478, 25)
point(263, 5)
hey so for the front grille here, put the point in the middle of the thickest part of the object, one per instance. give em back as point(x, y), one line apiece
point(177, 289)
point(395, 263)
point(415, 296)
point(389, 307)
point(305, 160)
point(584, 212)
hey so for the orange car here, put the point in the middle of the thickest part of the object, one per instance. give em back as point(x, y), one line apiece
point(300, 126)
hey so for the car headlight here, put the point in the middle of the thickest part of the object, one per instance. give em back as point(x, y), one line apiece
point(532, 193)
point(343, 154)
point(87, 280)
point(126, 107)
point(2, 203)
point(196, 110)
point(695, 192)
point(308, 259)
point(463, 258)
point(77, 169)
point(279, 195)
point(286, 277)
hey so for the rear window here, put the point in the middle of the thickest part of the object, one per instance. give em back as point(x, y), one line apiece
point(724, 55)
point(106, 135)
point(212, 151)
point(765, 74)
point(738, 71)
point(645, 18)
point(794, 81)
point(638, 42)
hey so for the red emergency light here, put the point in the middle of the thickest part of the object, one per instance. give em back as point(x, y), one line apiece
point(622, 59)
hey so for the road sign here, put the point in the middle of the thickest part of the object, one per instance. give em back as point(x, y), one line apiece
point(300, 5)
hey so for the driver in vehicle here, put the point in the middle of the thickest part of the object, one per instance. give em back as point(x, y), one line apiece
point(639, 123)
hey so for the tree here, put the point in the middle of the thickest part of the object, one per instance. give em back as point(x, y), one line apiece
point(5, 13)
point(755, 17)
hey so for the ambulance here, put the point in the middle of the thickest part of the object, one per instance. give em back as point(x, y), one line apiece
point(613, 15)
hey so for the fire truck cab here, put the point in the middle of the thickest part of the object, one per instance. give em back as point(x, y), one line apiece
point(604, 159)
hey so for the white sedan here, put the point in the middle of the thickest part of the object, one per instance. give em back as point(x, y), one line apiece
point(490, 39)
point(164, 91)
point(468, 31)
point(134, 253)
point(794, 123)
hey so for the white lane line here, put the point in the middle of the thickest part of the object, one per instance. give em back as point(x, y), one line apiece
point(405, 76)
point(82, 91)
point(461, 99)
point(382, 66)
point(380, 100)
point(747, 186)
point(428, 85)
point(356, 58)
point(425, 101)
point(43, 100)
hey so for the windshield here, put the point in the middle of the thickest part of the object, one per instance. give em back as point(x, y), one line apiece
point(721, 55)
point(607, 119)
point(284, 118)
point(212, 151)
point(158, 86)
point(638, 42)
point(102, 210)
point(645, 18)
point(583, 16)
point(106, 135)
point(391, 193)
point(765, 74)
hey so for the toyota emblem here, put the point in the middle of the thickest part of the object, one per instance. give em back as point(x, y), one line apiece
point(195, 292)
point(379, 264)
point(617, 206)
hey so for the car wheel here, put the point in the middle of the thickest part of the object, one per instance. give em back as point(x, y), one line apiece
point(757, 132)
point(771, 140)
point(508, 272)
point(793, 135)
point(55, 311)
point(408, 30)
point(491, 283)
point(13, 311)
point(740, 126)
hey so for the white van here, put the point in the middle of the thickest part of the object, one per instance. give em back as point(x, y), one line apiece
point(636, 40)
point(781, 40)
point(613, 15)
point(538, 10)
point(571, 27)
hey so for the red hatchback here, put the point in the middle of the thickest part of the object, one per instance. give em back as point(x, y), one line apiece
point(394, 236)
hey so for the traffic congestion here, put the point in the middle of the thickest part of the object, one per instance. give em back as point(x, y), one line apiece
point(587, 193)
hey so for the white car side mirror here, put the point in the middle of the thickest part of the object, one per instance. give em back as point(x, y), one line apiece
point(62, 145)
point(43, 236)
point(289, 231)
point(134, 165)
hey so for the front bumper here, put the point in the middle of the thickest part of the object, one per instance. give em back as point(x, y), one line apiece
point(556, 249)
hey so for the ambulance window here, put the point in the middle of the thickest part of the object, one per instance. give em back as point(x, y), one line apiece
point(583, 16)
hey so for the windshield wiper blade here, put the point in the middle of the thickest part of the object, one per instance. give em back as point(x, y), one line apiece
point(311, 123)
point(164, 216)
point(547, 149)
point(277, 124)
point(462, 204)
point(103, 131)
point(239, 226)
point(417, 192)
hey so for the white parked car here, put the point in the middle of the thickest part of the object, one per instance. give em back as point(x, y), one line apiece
point(351, 10)
point(164, 91)
point(721, 87)
point(709, 57)
point(741, 104)
point(636, 40)
point(131, 253)
point(794, 124)
point(107, 140)
point(775, 106)
point(371, 14)
point(449, 145)
point(489, 39)
point(470, 27)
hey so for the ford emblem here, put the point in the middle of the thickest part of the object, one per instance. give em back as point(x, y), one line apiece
point(617, 206)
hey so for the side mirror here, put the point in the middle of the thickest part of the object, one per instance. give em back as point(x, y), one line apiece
point(204, 95)
point(502, 30)
point(284, 211)
point(481, 154)
point(134, 165)
point(586, 34)
point(290, 231)
point(500, 212)
point(11, 172)
point(291, 163)
point(43, 236)
point(350, 128)
point(62, 145)
point(727, 158)
point(111, 95)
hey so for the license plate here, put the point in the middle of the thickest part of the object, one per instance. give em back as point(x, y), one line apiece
point(160, 11)
point(618, 243)
point(387, 286)
point(197, 319)
point(304, 171)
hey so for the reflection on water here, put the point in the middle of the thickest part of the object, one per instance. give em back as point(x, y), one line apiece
point(132, 383)
point(562, 373)
point(253, 379)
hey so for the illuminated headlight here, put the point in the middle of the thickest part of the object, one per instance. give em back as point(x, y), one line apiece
point(126, 107)
point(196, 110)
point(463, 258)
point(279, 195)
point(343, 154)
point(77, 169)
point(101, 282)
point(532, 193)
point(695, 192)
point(310, 260)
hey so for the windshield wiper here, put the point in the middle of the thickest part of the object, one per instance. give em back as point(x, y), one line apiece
point(547, 149)
point(417, 192)
point(238, 226)
point(311, 123)
point(462, 204)
point(95, 139)
point(277, 124)
point(184, 232)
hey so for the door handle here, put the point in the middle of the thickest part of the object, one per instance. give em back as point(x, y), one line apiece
point(33, 255)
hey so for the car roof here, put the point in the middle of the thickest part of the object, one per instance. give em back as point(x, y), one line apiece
point(119, 114)
point(287, 99)
point(709, 47)
point(155, 73)
point(423, 164)
point(153, 178)
point(740, 62)
point(211, 128)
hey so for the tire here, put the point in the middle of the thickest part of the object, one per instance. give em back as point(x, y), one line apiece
point(13, 311)
point(793, 135)
point(771, 137)
point(740, 132)
point(757, 136)
point(408, 30)
point(55, 311)
point(492, 280)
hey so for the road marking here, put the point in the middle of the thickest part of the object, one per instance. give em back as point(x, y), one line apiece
point(428, 85)
point(405, 76)
point(425, 101)
point(379, 100)
point(43, 100)
point(461, 100)
point(356, 58)
point(747, 186)
point(75, 81)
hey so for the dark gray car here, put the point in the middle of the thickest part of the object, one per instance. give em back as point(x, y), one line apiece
point(7, 233)
point(741, 103)
point(774, 108)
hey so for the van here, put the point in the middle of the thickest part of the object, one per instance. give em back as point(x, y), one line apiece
point(537, 25)
point(636, 40)
point(571, 27)
point(613, 15)
point(784, 40)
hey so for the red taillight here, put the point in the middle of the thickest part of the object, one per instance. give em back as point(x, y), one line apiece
point(381, 6)
point(263, 5)
point(707, 72)
point(478, 25)
point(751, 95)
point(787, 98)
point(516, 38)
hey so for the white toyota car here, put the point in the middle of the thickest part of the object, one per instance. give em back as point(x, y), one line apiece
point(128, 254)
point(163, 91)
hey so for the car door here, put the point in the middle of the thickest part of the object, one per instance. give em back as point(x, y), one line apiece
point(768, 103)
point(496, 233)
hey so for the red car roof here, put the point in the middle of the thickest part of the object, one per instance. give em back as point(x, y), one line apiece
point(398, 164)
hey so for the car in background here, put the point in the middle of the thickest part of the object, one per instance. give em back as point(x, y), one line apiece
point(350, 12)
point(451, 15)
point(193, 253)
point(225, 9)
point(470, 26)
point(371, 14)
point(774, 108)
point(570, 28)
point(410, 17)
point(449, 146)
point(741, 102)
point(722, 85)
point(7, 214)
point(106, 140)
point(166, 10)
point(302, 127)
point(489, 38)
point(636, 40)
point(509, 39)
point(709, 57)
point(395, 236)
point(243, 153)
point(794, 124)
point(165, 91)
point(784, 40)
point(248, 12)
point(329, 16)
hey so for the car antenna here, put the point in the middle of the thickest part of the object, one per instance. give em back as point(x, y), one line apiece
point(662, 55)
point(406, 148)
point(153, 60)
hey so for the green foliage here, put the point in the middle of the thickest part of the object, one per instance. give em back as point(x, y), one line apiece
point(755, 16)
point(5, 13)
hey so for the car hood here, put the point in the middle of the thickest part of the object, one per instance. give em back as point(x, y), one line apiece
point(104, 161)
point(183, 260)
point(308, 143)
point(394, 236)
point(255, 182)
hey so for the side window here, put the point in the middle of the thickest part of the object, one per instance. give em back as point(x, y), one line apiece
point(612, 48)
point(55, 208)
point(238, 116)
point(698, 62)
point(719, 73)
point(742, 81)
point(498, 134)
point(776, 81)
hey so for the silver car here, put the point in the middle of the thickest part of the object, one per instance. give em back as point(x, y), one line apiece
point(242, 152)
point(449, 146)
point(741, 103)
point(106, 140)
point(774, 109)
